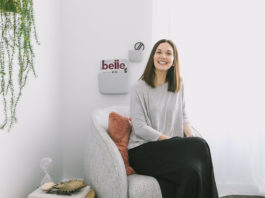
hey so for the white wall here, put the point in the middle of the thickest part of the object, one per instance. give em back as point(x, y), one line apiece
point(221, 48)
point(160, 20)
point(92, 31)
point(37, 133)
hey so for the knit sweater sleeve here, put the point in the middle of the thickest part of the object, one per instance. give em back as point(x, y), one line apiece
point(185, 116)
point(139, 114)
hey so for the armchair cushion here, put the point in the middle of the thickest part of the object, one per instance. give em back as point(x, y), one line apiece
point(143, 186)
point(119, 129)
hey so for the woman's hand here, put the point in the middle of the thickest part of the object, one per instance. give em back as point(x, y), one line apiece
point(187, 130)
point(163, 137)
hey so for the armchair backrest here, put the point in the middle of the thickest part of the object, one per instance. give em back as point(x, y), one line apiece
point(101, 116)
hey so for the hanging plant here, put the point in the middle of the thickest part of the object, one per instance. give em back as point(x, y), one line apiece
point(18, 32)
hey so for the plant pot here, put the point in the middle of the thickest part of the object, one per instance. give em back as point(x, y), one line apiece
point(9, 5)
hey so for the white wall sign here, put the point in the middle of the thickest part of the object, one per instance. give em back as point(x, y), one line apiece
point(113, 77)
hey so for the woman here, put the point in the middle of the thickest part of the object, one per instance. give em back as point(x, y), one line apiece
point(157, 147)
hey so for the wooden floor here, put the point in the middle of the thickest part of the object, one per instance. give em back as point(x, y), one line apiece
point(241, 196)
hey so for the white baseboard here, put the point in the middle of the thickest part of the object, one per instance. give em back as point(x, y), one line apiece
point(238, 189)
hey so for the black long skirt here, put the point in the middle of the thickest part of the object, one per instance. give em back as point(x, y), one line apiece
point(182, 166)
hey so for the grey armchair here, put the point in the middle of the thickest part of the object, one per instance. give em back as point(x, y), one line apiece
point(104, 167)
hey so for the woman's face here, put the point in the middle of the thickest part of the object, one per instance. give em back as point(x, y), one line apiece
point(163, 57)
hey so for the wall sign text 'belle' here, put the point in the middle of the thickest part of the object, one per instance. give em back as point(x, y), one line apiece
point(114, 66)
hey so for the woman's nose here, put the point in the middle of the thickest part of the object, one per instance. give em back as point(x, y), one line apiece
point(162, 55)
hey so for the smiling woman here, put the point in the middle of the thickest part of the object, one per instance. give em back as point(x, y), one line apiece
point(157, 146)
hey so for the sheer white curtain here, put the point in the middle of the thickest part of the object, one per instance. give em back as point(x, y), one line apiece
point(222, 59)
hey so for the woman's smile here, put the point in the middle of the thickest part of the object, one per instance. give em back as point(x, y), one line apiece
point(162, 62)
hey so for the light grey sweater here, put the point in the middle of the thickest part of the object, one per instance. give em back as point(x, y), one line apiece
point(155, 111)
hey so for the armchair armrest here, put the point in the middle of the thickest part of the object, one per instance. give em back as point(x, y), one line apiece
point(196, 132)
point(104, 166)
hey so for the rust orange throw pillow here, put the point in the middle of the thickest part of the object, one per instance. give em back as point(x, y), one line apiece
point(119, 130)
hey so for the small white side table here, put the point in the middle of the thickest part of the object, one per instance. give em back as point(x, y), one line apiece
point(82, 193)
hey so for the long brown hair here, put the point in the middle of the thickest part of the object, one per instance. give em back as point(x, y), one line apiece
point(173, 75)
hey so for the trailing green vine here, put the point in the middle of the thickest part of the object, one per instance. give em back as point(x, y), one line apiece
point(18, 31)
